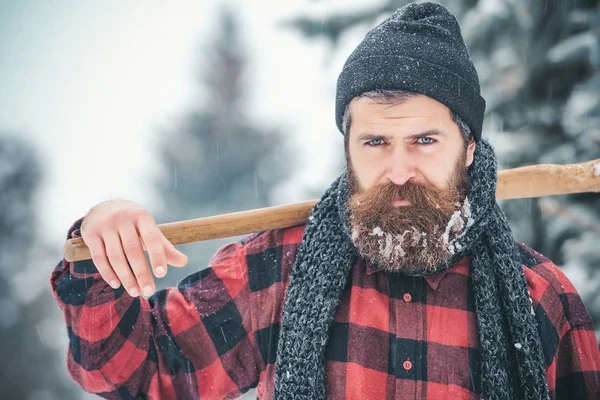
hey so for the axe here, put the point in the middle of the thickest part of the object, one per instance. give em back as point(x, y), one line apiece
point(524, 182)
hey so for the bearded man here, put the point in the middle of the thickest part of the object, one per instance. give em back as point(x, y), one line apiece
point(406, 282)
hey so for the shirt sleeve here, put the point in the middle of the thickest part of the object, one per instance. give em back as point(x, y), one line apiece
point(191, 341)
point(568, 339)
point(578, 358)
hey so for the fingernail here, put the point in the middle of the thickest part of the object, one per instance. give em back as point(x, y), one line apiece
point(160, 271)
point(114, 284)
point(148, 290)
point(134, 292)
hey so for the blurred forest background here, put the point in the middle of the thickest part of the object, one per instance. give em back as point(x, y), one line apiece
point(539, 65)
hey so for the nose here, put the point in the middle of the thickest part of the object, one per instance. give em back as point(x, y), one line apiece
point(401, 168)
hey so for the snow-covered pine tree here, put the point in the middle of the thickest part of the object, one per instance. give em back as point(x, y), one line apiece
point(217, 160)
point(32, 339)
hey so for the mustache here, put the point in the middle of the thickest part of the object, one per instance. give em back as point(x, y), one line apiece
point(420, 196)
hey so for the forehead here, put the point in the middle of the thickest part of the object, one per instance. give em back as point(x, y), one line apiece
point(408, 114)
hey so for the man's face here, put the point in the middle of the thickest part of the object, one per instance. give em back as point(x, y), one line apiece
point(407, 167)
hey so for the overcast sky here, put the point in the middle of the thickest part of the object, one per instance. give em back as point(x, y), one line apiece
point(91, 83)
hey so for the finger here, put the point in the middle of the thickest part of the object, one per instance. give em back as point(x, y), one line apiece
point(136, 257)
point(152, 237)
point(174, 256)
point(116, 256)
point(96, 246)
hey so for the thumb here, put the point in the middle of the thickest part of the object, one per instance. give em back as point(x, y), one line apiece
point(174, 256)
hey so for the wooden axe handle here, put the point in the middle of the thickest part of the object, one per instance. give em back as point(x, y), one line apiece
point(524, 182)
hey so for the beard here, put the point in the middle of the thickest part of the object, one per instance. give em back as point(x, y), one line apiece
point(415, 239)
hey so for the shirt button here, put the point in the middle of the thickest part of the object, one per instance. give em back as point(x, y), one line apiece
point(407, 365)
point(407, 297)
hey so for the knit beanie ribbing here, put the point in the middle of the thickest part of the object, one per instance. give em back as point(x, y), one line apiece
point(420, 49)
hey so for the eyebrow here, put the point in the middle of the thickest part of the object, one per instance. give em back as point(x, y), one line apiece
point(371, 136)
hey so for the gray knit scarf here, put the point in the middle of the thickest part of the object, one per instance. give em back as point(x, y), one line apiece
point(511, 353)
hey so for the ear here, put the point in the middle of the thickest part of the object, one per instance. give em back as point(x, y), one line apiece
point(470, 152)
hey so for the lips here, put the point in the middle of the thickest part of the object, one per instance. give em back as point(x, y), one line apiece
point(400, 203)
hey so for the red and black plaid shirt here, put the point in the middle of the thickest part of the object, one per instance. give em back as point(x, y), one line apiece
point(215, 335)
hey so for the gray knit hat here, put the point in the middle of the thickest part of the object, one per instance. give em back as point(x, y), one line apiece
point(420, 49)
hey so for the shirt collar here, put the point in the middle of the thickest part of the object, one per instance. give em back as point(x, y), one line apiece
point(463, 266)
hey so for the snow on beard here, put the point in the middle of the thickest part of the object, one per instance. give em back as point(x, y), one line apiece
point(416, 238)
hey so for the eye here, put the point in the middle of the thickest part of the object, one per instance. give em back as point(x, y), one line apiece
point(426, 140)
point(375, 142)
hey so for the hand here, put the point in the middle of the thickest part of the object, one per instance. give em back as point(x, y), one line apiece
point(118, 231)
